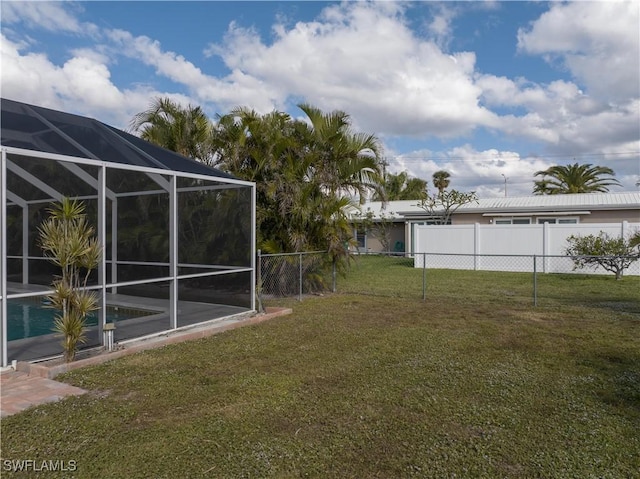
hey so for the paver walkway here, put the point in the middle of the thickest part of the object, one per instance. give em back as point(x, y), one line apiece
point(21, 391)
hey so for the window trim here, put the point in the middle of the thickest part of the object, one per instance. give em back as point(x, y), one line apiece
point(566, 220)
point(503, 220)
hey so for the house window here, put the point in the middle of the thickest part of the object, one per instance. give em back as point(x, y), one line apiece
point(558, 221)
point(513, 221)
point(361, 238)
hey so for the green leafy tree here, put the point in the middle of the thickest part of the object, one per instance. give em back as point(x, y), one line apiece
point(401, 187)
point(613, 254)
point(441, 180)
point(68, 241)
point(185, 130)
point(574, 178)
point(343, 160)
point(305, 173)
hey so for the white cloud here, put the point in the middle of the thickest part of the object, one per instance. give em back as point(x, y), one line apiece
point(234, 90)
point(52, 16)
point(561, 115)
point(81, 85)
point(470, 168)
point(597, 41)
point(440, 25)
point(363, 58)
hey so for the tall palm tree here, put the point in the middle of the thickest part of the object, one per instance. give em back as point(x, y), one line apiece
point(185, 130)
point(441, 181)
point(574, 178)
point(303, 172)
point(401, 187)
point(345, 160)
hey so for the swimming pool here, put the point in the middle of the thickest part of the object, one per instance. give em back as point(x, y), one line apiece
point(29, 317)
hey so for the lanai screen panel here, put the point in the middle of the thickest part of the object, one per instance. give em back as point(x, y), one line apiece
point(213, 231)
point(214, 242)
point(138, 216)
point(35, 185)
point(14, 238)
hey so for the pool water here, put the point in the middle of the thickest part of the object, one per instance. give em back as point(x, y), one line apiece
point(29, 317)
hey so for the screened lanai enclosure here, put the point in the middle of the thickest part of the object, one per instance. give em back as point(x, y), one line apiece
point(177, 236)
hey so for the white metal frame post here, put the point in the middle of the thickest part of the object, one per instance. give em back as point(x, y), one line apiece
point(102, 240)
point(173, 251)
point(253, 247)
point(3, 258)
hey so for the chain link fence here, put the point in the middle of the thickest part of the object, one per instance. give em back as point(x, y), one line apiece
point(294, 275)
point(530, 279)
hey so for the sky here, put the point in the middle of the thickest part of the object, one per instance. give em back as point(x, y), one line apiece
point(490, 91)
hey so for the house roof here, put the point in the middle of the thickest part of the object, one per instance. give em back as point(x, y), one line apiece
point(539, 203)
point(35, 128)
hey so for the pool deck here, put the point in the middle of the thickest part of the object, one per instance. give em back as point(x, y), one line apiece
point(32, 384)
point(189, 313)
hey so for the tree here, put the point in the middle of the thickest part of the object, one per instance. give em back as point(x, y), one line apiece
point(343, 160)
point(380, 227)
point(574, 179)
point(185, 130)
point(614, 254)
point(440, 207)
point(67, 240)
point(441, 180)
point(401, 187)
point(304, 172)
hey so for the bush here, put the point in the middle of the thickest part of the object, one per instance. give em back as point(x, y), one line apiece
point(612, 254)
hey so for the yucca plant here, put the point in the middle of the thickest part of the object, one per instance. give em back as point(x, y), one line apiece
point(69, 241)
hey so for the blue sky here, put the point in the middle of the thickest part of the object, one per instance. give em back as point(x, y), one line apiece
point(485, 90)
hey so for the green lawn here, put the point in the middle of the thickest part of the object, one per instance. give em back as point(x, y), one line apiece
point(396, 277)
point(474, 382)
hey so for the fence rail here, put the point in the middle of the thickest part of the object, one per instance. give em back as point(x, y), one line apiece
point(421, 275)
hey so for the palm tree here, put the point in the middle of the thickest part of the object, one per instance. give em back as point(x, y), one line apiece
point(574, 179)
point(344, 160)
point(441, 181)
point(185, 130)
point(401, 187)
point(303, 172)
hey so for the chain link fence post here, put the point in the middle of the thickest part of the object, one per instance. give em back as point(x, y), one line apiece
point(535, 280)
point(424, 276)
point(259, 281)
point(300, 279)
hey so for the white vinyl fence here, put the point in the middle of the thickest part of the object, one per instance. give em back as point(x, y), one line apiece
point(490, 247)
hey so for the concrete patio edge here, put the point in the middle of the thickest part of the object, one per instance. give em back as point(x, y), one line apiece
point(50, 370)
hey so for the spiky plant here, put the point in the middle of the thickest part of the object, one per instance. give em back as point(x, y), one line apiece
point(68, 241)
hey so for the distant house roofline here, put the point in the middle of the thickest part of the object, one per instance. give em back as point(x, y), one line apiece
point(581, 203)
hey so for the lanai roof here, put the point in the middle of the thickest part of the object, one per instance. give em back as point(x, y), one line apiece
point(35, 128)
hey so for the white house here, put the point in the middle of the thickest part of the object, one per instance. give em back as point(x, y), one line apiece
point(404, 216)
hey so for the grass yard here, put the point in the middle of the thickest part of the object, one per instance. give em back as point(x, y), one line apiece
point(472, 383)
point(396, 277)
